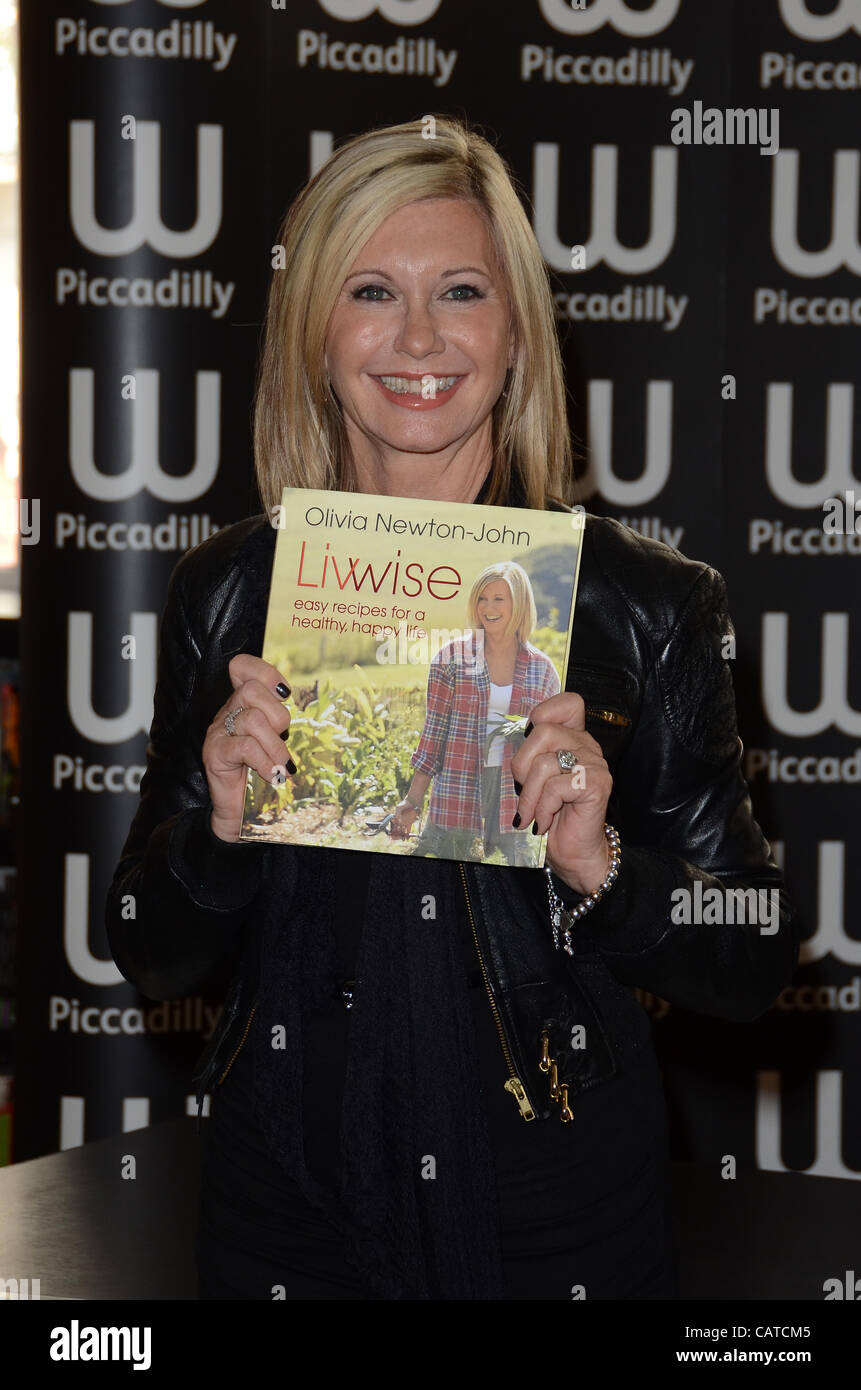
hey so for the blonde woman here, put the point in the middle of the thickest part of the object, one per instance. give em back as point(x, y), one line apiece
point(416, 1091)
point(476, 684)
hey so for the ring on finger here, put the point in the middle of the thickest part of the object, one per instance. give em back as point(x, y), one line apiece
point(566, 759)
point(230, 719)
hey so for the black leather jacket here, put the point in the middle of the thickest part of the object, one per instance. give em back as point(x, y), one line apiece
point(648, 659)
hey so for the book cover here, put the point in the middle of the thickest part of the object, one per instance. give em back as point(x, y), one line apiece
point(416, 637)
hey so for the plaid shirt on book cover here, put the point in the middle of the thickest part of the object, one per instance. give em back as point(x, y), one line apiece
point(451, 748)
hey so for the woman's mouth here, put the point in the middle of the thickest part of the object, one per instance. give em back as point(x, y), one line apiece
point(423, 392)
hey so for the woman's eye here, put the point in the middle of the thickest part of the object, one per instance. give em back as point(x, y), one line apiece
point(365, 292)
point(465, 293)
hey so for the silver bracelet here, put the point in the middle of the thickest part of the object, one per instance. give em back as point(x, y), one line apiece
point(558, 912)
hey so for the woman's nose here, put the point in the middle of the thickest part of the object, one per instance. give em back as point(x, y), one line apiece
point(418, 333)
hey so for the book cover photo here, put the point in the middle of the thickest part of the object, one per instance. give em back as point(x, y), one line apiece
point(416, 637)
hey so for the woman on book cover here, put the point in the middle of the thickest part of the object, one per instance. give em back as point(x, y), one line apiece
point(431, 1078)
point(476, 687)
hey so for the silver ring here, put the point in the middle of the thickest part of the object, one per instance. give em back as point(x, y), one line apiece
point(566, 759)
point(230, 719)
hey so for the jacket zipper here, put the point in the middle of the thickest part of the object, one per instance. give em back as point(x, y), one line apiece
point(610, 716)
point(239, 1046)
point(513, 1085)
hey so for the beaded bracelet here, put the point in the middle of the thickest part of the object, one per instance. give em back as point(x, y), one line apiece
point(573, 914)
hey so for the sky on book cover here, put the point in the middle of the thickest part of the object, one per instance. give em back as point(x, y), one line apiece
point(416, 637)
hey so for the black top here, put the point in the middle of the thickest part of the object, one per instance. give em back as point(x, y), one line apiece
point(327, 1029)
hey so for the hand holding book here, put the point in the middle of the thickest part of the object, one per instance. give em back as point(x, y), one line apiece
point(247, 732)
point(569, 806)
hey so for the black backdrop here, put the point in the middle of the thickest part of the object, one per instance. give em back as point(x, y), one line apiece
point(711, 349)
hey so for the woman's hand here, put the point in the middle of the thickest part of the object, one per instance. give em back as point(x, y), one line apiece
point(256, 742)
point(402, 818)
point(572, 806)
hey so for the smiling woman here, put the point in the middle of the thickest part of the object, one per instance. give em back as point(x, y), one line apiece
point(418, 349)
point(411, 343)
point(417, 1093)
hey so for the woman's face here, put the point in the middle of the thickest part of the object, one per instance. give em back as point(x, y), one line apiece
point(418, 343)
point(494, 606)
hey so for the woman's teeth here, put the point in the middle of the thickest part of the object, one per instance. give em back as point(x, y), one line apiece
point(408, 386)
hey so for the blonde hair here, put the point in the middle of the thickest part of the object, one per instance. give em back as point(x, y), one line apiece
point(299, 434)
point(523, 612)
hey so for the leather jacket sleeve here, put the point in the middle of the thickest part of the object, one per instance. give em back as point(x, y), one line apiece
point(180, 896)
point(683, 811)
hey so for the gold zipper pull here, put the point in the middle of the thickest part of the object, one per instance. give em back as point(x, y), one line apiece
point(544, 1064)
point(610, 716)
point(554, 1081)
point(566, 1114)
point(515, 1086)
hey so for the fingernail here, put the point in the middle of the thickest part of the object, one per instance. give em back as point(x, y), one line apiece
point(282, 690)
point(535, 830)
point(528, 730)
point(516, 821)
point(291, 767)
point(518, 787)
point(284, 732)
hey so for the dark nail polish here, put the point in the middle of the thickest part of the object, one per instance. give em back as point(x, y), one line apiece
point(291, 767)
point(518, 786)
point(282, 690)
point(516, 821)
point(528, 730)
point(535, 830)
point(284, 732)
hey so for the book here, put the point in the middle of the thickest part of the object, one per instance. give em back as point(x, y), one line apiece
point(416, 637)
